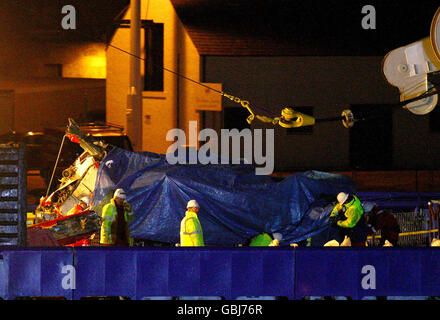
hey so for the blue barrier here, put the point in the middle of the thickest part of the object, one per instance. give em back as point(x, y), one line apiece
point(34, 272)
point(360, 272)
point(144, 272)
point(137, 273)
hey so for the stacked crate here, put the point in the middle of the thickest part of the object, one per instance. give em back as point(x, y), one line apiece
point(12, 195)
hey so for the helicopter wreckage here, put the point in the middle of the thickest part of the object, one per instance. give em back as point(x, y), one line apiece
point(54, 212)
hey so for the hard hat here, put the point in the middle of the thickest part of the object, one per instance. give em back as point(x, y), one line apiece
point(346, 242)
point(277, 236)
point(86, 200)
point(120, 193)
point(387, 244)
point(342, 197)
point(274, 243)
point(435, 243)
point(192, 204)
point(332, 243)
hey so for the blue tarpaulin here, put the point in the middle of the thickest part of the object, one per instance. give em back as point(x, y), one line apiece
point(236, 204)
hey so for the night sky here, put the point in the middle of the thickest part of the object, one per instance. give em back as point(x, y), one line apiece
point(334, 26)
point(331, 27)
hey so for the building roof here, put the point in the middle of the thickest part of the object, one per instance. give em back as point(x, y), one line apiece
point(290, 27)
point(26, 85)
point(40, 20)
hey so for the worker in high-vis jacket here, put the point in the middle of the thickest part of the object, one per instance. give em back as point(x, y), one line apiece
point(348, 217)
point(116, 215)
point(191, 233)
point(265, 240)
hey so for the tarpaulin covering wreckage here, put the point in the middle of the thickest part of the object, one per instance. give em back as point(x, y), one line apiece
point(236, 204)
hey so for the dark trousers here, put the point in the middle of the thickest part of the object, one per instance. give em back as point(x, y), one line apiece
point(357, 234)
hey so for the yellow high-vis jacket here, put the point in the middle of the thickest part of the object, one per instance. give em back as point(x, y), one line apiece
point(109, 227)
point(191, 234)
point(261, 240)
point(353, 213)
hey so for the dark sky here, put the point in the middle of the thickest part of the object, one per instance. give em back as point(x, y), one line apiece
point(334, 24)
point(41, 19)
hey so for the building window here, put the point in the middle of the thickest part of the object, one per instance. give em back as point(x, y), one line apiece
point(235, 118)
point(371, 140)
point(434, 119)
point(153, 79)
point(301, 130)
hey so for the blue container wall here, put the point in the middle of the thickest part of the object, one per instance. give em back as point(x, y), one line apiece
point(230, 273)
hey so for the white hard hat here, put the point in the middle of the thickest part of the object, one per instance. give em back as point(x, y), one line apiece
point(342, 197)
point(192, 204)
point(86, 200)
point(277, 236)
point(120, 193)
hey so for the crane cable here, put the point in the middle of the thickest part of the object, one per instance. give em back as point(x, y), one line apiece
point(289, 118)
point(55, 166)
point(243, 103)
